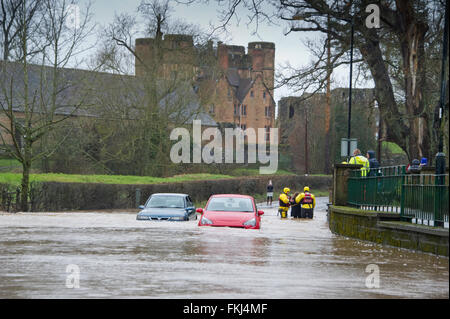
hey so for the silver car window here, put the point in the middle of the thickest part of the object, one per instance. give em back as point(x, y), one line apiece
point(165, 201)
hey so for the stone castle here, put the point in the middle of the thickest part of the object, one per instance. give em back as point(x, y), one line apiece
point(236, 87)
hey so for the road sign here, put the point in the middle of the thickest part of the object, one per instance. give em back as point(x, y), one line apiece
point(344, 146)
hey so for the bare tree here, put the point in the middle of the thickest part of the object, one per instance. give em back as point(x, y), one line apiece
point(36, 97)
point(393, 55)
point(136, 129)
point(13, 16)
point(156, 14)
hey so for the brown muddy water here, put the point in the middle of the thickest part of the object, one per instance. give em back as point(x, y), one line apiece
point(120, 257)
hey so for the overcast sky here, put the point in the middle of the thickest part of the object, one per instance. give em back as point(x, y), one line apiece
point(287, 48)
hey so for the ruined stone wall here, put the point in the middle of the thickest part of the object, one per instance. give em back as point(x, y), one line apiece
point(296, 114)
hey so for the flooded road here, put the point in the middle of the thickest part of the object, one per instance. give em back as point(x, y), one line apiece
point(120, 257)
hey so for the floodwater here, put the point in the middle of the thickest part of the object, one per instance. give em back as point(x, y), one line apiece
point(120, 257)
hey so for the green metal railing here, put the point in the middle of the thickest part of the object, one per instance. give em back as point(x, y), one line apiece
point(425, 199)
point(419, 198)
point(381, 191)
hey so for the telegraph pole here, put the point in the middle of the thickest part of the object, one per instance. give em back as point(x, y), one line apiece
point(379, 141)
point(349, 127)
point(306, 139)
point(327, 106)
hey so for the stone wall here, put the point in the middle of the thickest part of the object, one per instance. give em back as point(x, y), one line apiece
point(302, 127)
point(387, 229)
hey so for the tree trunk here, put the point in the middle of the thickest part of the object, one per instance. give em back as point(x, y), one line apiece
point(327, 106)
point(410, 132)
point(411, 35)
point(396, 130)
point(25, 184)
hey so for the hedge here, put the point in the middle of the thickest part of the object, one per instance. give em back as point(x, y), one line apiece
point(56, 196)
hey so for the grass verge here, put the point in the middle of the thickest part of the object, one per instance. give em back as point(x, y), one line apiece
point(14, 178)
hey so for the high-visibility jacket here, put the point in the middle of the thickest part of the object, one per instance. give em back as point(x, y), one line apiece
point(284, 201)
point(361, 160)
point(306, 199)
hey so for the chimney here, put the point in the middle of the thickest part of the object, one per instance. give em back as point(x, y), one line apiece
point(222, 55)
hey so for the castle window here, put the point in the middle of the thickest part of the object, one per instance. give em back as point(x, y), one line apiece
point(291, 111)
point(264, 94)
point(236, 110)
point(211, 109)
point(267, 111)
point(267, 133)
point(244, 110)
point(251, 93)
point(243, 127)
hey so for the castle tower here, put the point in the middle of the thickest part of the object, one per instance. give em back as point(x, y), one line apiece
point(174, 53)
point(241, 94)
point(262, 55)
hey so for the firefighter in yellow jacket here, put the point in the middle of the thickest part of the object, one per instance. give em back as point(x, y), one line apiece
point(284, 202)
point(308, 202)
point(361, 160)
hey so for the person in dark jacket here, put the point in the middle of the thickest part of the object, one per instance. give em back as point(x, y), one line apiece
point(269, 193)
point(414, 167)
point(373, 163)
point(296, 208)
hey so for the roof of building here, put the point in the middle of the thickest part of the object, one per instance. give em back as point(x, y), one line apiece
point(233, 77)
point(81, 92)
point(191, 109)
point(242, 85)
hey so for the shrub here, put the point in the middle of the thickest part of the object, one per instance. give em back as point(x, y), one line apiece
point(56, 196)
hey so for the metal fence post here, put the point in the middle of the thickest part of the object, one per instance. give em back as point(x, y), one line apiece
point(138, 197)
point(439, 182)
point(402, 193)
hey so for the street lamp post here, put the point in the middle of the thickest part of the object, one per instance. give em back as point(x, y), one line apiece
point(349, 127)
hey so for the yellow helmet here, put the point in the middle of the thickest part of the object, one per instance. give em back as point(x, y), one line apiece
point(286, 190)
point(306, 189)
point(344, 162)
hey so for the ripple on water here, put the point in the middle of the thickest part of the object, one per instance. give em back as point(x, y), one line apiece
point(121, 257)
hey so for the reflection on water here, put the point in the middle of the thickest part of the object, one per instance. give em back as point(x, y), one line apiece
point(121, 257)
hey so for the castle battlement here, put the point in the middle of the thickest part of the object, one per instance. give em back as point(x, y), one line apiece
point(241, 94)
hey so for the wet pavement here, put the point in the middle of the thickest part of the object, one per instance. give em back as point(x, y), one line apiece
point(120, 257)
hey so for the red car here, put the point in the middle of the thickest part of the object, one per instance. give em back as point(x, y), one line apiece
point(230, 210)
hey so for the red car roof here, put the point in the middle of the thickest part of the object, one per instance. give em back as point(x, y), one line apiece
point(232, 195)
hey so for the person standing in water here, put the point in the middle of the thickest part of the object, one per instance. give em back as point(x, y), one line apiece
point(269, 193)
point(284, 202)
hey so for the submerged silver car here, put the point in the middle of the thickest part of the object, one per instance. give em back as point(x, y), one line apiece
point(168, 206)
